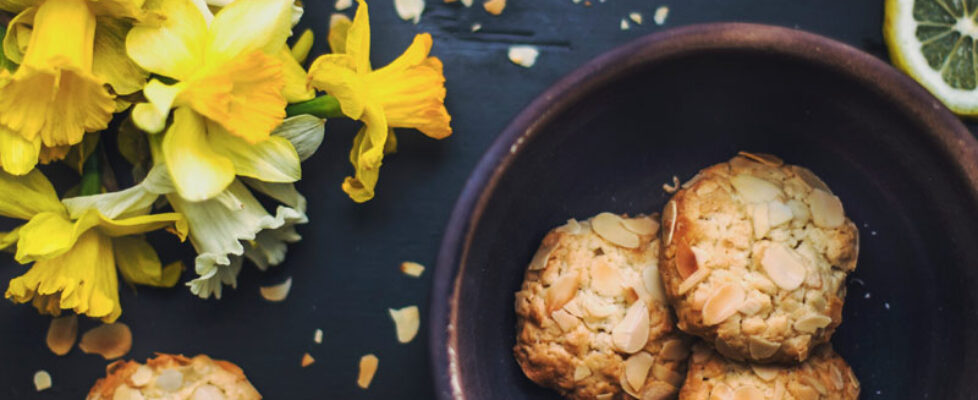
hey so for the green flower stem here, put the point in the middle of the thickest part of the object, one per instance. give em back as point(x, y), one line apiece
point(91, 180)
point(324, 106)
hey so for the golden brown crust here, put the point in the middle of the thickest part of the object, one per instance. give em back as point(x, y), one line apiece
point(176, 377)
point(823, 376)
point(584, 308)
point(754, 259)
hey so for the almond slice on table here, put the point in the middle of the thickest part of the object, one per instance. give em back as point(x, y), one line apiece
point(42, 380)
point(109, 340)
point(632, 332)
point(611, 228)
point(783, 266)
point(276, 293)
point(406, 321)
point(723, 303)
point(494, 7)
point(62, 334)
point(307, 360)
point(755, 190)
point(368, 367)
point(317, 337)
point(637, 369)
point(826, 208)
point(523, 55)
point(412, 269)
point(409, 10)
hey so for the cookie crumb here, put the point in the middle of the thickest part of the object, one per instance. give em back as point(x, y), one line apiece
point(276, 293)
point(624, 25)
point(406, 322)
point(42, 380)
point(636, 17)
point(318, 336)
point(307, 360)
point(368, 367)
point(476, 27)
point(660, 15)
point(523, 55)
point(409, 10)
point(411, 268)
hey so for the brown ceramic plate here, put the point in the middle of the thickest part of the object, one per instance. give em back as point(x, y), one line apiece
point(609, 135)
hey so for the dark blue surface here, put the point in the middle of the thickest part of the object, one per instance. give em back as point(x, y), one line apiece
point(345, 269)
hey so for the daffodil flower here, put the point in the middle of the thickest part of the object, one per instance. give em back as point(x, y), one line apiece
point(407, 93)
point(228, 93)
point(68, 50)
point(77, 245)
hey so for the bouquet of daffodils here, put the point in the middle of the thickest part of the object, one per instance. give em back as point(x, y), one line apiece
point(213, 110)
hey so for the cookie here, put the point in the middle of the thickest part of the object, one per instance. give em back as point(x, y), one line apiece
point(174, 377)
point(592, 319)
point(823, 376)
point(754, 258)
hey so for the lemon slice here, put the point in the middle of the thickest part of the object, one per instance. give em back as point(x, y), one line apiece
point(935, 42)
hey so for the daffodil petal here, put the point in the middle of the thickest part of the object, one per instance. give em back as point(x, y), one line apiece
point(129, 9)
point(151, 117)
point(136, 200)
point(339, 27)
point(414, 55)
point(296, 90)
point(18, 35)
point(173, 46)
point(376, 132)
point(271, 160)
point(139, 264)
point(300, 50)
point(361, 187)
point(174, 222)
point(35, 195)
point(246, 26)
point(79, 153)
point(8, 239)
point(83, 280)
point(284, 193)
point(358, 39)
point(198, 172)
point(305, 132)
point(337, 75)
point(414, 96)
point(18, 156)
point(51, 154)
point(48, 235)
point(110, 61)
point(16, 6)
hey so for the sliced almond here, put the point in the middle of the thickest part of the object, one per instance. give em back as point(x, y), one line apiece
point(562, 291)
point(669, 220)
point(307, 360)
point(693, 280)
point(760, 220)
point(778, 213)
point(686, 263)
point(659, 391)
point(406, 322)
point(142, 376)
point(541, 257)
point(208, 392)
point(799, 211)
point(572, 227)
point(62, 334)
point(609, 227)
point(721, 391)
point(523, 55)
point(815, 383)
point(317, 337)
point(835, 377)
point(623, 381)
point(812, 322)
point(42, 380)
point(766, 159)
point(599, 309)
point(637, 369)
point(665, 374)
point(755, 190)
point(581, 372)
point(604, 396)
point(276, 293)
point(783, 266)
point(109, 340)
point(170, 380)
point(565, 320)
point(409, 10)
point(748, 392)
point(494, 7)
point(827, 209)
point(605, 279)
point(632, 332)
point(765, 372)
point(653, 283)
point(762, 348)
point(412, 269)
point(723, 303)
point(368, 367)
point(674, 350)
point(641, 226)
point(810, 178)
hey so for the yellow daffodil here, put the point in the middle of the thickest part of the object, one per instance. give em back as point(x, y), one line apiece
point(228, 95)
point(68, 50)
point(407, 93)
point(77, 245)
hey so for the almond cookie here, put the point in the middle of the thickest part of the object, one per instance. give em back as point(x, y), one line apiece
point(824, 376)
point(755, 254)
point(174, 377)
point(592, 319)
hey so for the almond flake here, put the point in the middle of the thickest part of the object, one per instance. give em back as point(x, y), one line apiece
point(693, 280)
point(142, 376)
point(783, 266)
point(762, 348)
point(476, 27)
point(637, 369)
point(610, 227)
point(523, 55)
point(307, 360)
point(109, 340)
point(778, 213)
point(653, 283)
point(409, 10)
point(467, 3)
point(812, 322)
point(674, 350)
point(317, 337)
point(562, 291)
point(368, 367)
point(760, 220)
point(341, 5)
point(826, 209)
point(632, 332)
point(411, 268)
point(766, 159)
point(765, 372)
point(623, 382)
point(835, 376)
point(748, 392)
point(565, 320)
point(636, 17)
point(62, 334)
point(605, 279)
point(581, 372)
point(686, 263)
point(494, 7)
point(669, 219)
point(810, 178)
point(721, 391)
point(541, 257)
point(799, 211)
point(644, 226)
point(660, 15)
point(406, 321)
point(572, 227)
point(170, 380)
point(723, 303)
point(276, 293)
point(624, 25)
point(42, 380)
point(755, 190)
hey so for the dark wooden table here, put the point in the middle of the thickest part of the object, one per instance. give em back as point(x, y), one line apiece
point(345, 270)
